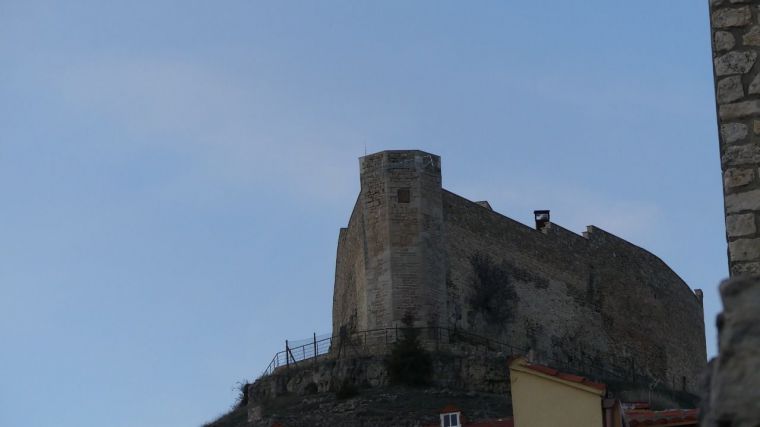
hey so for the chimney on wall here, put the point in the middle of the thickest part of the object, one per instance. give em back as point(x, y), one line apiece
point(542, 218)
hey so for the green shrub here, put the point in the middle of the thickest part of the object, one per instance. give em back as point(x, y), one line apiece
point(408, 362)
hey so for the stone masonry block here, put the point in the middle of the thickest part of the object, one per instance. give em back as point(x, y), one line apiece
point(749, 268)
point(740, 225)
point(754, 86)
point(730, 89)
point(756, 127)
point(732, 132)
point(733, 17)
point(739, 110)
point(744, 250)
point(736, 62)
point(746, 201)
point(737, 177)
point(741, 155)
point(752, 37)
point(723, 41)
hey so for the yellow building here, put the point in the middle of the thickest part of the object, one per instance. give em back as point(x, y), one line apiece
point(545, 397)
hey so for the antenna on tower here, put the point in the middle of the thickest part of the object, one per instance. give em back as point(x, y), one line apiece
point(365, 147)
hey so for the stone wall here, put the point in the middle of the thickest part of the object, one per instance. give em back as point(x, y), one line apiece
point(736, 45)
point(476, 369)
point(732, 387)
point(594, 299)
point(349, 295)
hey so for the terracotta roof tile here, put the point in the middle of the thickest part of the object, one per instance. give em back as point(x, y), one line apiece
point(635, 405)
point(450, 408)
point(492, 423)
point(567, 377)
point(638, 417)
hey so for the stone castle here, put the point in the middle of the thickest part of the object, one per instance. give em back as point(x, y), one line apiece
point(411, 247)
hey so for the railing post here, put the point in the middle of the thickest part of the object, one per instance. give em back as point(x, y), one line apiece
point(287, 355)
point(315, 348)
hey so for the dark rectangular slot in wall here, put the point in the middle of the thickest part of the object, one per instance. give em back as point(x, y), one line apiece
point(403, 195)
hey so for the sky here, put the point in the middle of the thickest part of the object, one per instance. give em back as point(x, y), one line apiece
point(174, 173)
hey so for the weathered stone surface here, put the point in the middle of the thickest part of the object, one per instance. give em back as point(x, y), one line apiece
point(745, 250)
point(754, 86)
point(723, 40)
point(740, 225)
point(739, 110)
point(748, 268)
point(738, 155)
point(733, 17)
point(730, 89)
point(735, 62)
point(374, 407)
point(737, 177)
point(733, 132)
point(735, 46)
point(734, 378)
point(746, 201)
point(752, 37)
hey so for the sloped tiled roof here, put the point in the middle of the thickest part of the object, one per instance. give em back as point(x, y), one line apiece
point(670, 417)
point(566, 377)
point(509, 422)
point(450, 408)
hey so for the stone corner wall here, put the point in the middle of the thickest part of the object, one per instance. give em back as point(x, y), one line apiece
point(735, 33)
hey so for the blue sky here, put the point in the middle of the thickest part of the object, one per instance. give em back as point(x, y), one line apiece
point(174, 174)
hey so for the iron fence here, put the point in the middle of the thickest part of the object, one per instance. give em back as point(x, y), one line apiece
point(371, 341)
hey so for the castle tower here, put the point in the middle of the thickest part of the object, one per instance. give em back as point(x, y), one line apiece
point(403, 218)
point(391, 258)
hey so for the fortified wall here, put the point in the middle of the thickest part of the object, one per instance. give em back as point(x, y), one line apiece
point(411, 247)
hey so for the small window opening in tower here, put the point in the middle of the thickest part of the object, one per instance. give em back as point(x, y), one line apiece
point(403, 195)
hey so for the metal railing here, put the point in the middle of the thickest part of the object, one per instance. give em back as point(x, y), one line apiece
point(364, 343)
point(299, 351)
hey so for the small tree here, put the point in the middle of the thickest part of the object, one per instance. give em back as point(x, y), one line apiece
point(408, 362)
